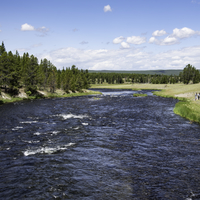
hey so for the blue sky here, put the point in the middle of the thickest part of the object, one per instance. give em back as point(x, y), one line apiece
point(104, 34)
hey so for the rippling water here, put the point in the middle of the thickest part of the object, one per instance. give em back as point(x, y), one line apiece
point(113, 146)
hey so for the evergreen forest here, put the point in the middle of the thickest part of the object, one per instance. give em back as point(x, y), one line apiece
point(27, 72)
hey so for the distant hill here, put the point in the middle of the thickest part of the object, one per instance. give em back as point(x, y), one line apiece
point(151, 72)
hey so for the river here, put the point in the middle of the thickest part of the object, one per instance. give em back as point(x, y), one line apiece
point(112, 146)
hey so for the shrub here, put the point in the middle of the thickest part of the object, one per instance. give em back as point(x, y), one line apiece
point(31, 90)
point(28, 93)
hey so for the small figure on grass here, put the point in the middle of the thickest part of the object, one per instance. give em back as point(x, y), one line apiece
point(196, 96)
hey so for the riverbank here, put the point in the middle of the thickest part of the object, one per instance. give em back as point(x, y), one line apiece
point(6, 98)
point(187, 106)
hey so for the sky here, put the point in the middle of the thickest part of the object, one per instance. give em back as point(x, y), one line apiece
point(104, 34)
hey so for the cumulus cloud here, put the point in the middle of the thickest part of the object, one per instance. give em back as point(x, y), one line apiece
point(174, 38)
point(118, 40)
point(169, 40)
point(136, 40)
point(125, 45)
point(159, 33)
point(41, 30)
point(107, 8)
point(153, 40)
point(27, 27)
point(184, 32)
point(128, 58)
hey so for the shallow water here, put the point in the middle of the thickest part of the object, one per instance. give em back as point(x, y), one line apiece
point(113, 146)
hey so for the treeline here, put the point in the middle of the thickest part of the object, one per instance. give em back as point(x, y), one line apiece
point(25, 71)
point(112, 78)
point(189, 75)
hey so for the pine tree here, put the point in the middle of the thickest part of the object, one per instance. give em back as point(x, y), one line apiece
point(31, 78)
point(2, 48)
point(52, 80)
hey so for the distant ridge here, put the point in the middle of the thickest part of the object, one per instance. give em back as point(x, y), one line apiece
point(151, 72)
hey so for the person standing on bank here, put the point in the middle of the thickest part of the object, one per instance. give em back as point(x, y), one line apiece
point(196, 96)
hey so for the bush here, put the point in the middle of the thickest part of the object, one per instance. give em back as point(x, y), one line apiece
point(28, 93)
point(31, 90)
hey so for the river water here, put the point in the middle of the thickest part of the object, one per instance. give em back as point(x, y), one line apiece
point(113, 146)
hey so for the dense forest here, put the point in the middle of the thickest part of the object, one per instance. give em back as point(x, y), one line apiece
point(25, 71)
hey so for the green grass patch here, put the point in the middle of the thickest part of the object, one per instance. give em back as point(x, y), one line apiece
point(188, 109)
point(139, 95)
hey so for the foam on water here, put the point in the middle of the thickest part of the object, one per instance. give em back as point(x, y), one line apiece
point(30, 142)
point(28, 122)
point(47, 150)
point(16, 128)
point(85, 124)
point(37, 133)
point(68, 116)
point(55, 132)
point(76, 128)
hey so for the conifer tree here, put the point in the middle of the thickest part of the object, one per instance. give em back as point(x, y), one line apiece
point(2, 48)
point(31, 78)
point(52, 80)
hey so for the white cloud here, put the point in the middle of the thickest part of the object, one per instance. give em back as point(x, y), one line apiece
point(41, 30)
point(129, 59)
point(136, 40)
point(184, 32)
point(107, 8)
point(169, 41)
point(118, 40)
point(27, 27)
point(174, 38)
point(153, 40)
point(159, 33)
point(125, 45)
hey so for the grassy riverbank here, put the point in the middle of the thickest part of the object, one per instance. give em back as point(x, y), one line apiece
point(187, 106)
point(6, 98)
